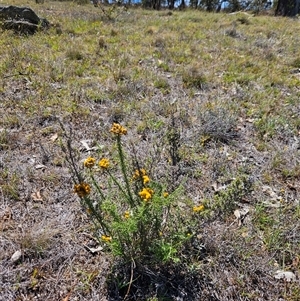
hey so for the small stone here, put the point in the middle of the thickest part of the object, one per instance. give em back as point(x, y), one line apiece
point(16, 256)
point(285, 275)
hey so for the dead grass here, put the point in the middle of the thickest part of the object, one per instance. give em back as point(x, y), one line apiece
point(231, 84)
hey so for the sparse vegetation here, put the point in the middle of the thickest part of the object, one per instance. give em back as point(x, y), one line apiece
point(211, 107)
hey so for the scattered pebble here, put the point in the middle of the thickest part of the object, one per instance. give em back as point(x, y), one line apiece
point(16, 256)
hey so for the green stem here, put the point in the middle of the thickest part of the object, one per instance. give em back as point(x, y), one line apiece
point(119, 186)
point(96, 215)
point(123, 168)
point(97, 187)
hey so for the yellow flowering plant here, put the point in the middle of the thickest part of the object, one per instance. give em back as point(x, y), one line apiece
point(89, 162)
point(104, 163)
point(146, 194)
point(82, 189)
point(198, 208)
point(135, 216)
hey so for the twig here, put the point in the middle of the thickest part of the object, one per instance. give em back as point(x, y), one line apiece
point(131, 278)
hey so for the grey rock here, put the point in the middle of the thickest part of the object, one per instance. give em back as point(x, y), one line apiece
point(16, 256)
point(21, 20)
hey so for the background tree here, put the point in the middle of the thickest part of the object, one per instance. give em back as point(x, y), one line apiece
point(211, 5)
point(154, 4)
point(194, 3)
point(171, 4)
point(288, 8)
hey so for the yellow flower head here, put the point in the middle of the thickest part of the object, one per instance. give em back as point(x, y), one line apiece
point(118, 129)
point(106, 238)
point(165, 194)
point(146, 194)
point(126, 214)
point(139, 173)
point(104, 163)
point(82, 189)
point(89, 162)
point(146, 179)
point(198, 208)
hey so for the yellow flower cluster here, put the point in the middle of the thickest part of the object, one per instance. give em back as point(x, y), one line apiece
point(89, 162)
point(118, 129)
point(198, 208)
point(126, 214)
point(146, 194)
point(104, 163)
point(141, 173)
point(146, 179)
point(165, 194)
point(106, 238)
point(82, 189)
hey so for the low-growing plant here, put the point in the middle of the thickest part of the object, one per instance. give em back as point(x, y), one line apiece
point(296, 62)
point(225, 201)
point(86, 278)
point(217, 124)
point(194, 77)
point(4, 139)
point(164, 66)
point(163, 85)
point(74, 55)
point(262, 218)
point(232, 32)
point(35, 241)
point(110, 12)
point(9, 182)
point(244, 20)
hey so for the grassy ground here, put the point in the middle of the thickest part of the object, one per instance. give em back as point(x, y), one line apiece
point(230, 85)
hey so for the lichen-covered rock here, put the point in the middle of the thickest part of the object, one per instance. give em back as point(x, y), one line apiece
point(21, 19)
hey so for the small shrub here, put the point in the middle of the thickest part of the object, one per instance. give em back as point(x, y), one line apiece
point(36, 240)
point(270, 55)
point(4, 139)
point(244, 20)
point(159, 42)
point(135, 217)
point(232, 32)
point(101, 43)
point(151, 30)
point(163, 85)
point(296, 62)
point(267, 127)
point(111, 12)
point(9, 184)
point(140, 222)
point(218, 125)
point(74, 55)
point(226, 200)
point(164, 66)
point(113, 33)
point(194, 77)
